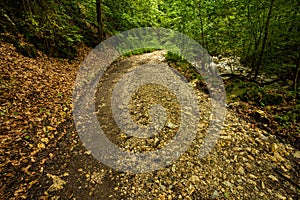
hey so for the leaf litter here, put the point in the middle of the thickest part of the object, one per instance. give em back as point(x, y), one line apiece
point(42, 157)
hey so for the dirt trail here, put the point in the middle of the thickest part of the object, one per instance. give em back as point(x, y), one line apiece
point(43, 158)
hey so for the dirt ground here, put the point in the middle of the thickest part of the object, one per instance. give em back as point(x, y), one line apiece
point(42, 157)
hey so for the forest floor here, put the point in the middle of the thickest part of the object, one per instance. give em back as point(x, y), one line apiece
point(43, 158)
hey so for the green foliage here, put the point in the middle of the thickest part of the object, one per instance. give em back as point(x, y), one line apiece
point(139, 51)
point(223, 27)
point(244, 91)
point(291, 116)
point(186, 68)
point(272, 99)
point(51, 26)
point(27, 50)
point(173, 57)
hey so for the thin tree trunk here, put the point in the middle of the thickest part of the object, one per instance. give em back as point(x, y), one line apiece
point(296, 76)
point(202, 30)
point(99, 18)
point(264, 40)
point(201, 25)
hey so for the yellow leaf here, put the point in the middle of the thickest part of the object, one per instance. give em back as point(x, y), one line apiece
point(41, 146)
point(45, 140)
point(50, 128)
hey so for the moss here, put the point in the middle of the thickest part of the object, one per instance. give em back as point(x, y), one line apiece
point(272, 99)
point(239, 90)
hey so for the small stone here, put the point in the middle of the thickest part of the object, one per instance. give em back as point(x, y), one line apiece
point(163, 187)
point(58, 183)
point(66, 174)
point(274, 147)
point(239, 187)
point(263, 185)
point(41, 146)
point(277, 157)
point(252, 176)
point(173, 168)
point(297, 154)
point(250, 157)
point(88, 152)
point(249, 166)
point(241, 170)
point(55, 198)
point(237, 149)
point(215, 195)
point(45, 140)
point(194, 179)
point(227, 184)
point(161, 197)
point(190, 189)
point(281, 197)
point(273, 178)
point(171, 125)
point(252, 182)
point(225, 137)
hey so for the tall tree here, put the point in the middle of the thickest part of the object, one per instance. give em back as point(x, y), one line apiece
point(296, 75)
point(99, 19)
point(265, 39)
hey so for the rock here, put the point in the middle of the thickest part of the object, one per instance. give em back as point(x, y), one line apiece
point(58, 183)
point(281, 197)
point(277, 157)
point(241, 171)
point(41, 146)
point(227, 184)
point(66, 174)
point(251, 182)
point(263, 185)
point(252, 176)
point(225, 137)
point(297, 154)
point(239, 187)
point(273, 178)
point(274, 147)
point(171, 125)
point(161, 197)
point(194, 179)
point(162, 187)
point(250, 157)
point(215, 195)
point(55, 198)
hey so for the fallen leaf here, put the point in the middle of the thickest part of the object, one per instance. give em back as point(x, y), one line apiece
point(58, 183)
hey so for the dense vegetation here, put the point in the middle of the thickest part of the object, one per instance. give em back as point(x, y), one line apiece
point(264, 35)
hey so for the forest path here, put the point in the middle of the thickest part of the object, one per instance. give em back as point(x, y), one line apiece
point(43, 158)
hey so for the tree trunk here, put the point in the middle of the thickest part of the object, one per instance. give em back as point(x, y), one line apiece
point(296, 75)
point(99, 18)
point(264, 40)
